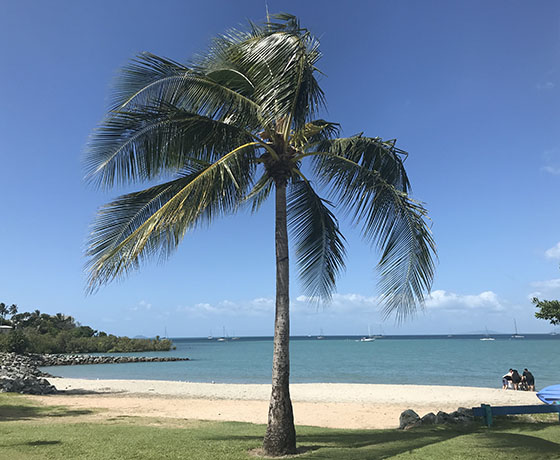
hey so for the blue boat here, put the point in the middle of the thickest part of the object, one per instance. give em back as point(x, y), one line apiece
point(550, 395)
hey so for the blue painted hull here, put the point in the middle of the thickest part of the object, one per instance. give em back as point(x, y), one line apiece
point(550, 395)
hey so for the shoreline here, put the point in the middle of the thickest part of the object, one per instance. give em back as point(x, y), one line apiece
point(332, 405)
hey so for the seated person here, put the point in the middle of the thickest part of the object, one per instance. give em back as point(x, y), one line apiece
point(515, 379)
point(529, 379)
point(506, 380)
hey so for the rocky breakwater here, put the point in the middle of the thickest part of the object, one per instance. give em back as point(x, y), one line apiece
point(73, 360)
point(19, 374)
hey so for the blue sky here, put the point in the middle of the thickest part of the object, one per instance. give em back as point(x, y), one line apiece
point(470, 90)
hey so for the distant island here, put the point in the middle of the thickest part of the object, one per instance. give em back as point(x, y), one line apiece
point(36, 332)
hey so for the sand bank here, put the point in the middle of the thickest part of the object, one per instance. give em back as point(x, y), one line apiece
point(335, 405)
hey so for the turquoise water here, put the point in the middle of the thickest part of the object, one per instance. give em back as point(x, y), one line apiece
point(395, 360)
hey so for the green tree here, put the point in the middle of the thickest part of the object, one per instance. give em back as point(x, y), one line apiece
point(548, 309)
point(229, 129)
point(4, 310)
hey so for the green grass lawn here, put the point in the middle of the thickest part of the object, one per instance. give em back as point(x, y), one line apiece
point(29, 432)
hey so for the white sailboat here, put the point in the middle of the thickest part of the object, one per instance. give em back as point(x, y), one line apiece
point(487, 338)
point(369, 337)
point(516, 335)
point(223, 338)
point(320, 336)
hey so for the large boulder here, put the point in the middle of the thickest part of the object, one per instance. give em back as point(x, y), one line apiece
point(408, 419)
point(442, 417)
point(461, 416)
point(428, 419)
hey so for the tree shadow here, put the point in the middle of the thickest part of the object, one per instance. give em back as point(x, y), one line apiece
point(42, 443)
point(380, 444)
point(15, 412)
point(362, 444)
point(520, 442)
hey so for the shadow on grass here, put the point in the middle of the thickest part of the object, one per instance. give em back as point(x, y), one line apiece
point(362, 444)
point(437, 441)
point(532, 444)
point(14, 412)
point(42, 443)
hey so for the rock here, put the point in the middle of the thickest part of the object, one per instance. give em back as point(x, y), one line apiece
point(408, 419)
point(428, 419)
point(461, 416)
point(465, 412)
point(442, 417)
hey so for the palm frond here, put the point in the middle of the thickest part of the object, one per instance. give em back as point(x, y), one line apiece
point(377, 199)
point(260, 192)
point(150, 80)
point(145, 144)
point(319, 244)
point(139, 225)
point(314, 132)
point(279, 63)
point(372, 153)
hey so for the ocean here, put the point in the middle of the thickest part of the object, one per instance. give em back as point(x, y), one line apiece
point(423, 360)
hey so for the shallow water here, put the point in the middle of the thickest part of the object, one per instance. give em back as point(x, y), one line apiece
point(458, 360)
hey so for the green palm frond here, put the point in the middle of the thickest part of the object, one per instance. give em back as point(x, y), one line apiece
point(372, 153)
point(260, 192)
point(152, 81)
point(319, 244)
point(145, 144)
point(139, 225)
point(389, 218)
point(147, 79)
point(313, 133)
point(280, 64)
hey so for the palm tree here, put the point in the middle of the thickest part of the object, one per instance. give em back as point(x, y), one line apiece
point(229, 129)
point(13, 309)
point(4, 309)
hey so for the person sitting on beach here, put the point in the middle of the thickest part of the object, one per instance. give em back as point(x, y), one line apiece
point(506, 380)
point(515, 379)
point(529, 379)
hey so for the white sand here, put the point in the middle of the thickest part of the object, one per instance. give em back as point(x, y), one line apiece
point(320, 404)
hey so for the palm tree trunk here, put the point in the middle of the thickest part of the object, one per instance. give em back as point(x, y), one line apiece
point(280, 438)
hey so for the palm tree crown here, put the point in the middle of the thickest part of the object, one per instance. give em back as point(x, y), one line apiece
point(228, 128)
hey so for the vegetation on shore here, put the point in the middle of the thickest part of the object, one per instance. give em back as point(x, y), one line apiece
point(31, 432)
point(38, 332)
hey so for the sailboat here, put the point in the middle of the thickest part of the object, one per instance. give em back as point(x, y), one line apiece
point(369, 337)
point(487, 338)
point(320, 336)
point(223, 338)
point(516, 335)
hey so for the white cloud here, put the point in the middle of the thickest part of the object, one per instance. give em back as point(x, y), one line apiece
point(142, 305)
point(546, 288)
point(255, 307)
point(444, 300)
point(547, 284)
point(553, 252)
point(552, 161)
point(547, 85)
point(340, 302)
point(552, 169)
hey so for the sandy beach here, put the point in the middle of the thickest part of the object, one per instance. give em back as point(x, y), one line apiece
point(331, 405)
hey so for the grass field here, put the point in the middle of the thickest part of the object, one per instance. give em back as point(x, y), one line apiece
point(29, 432)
